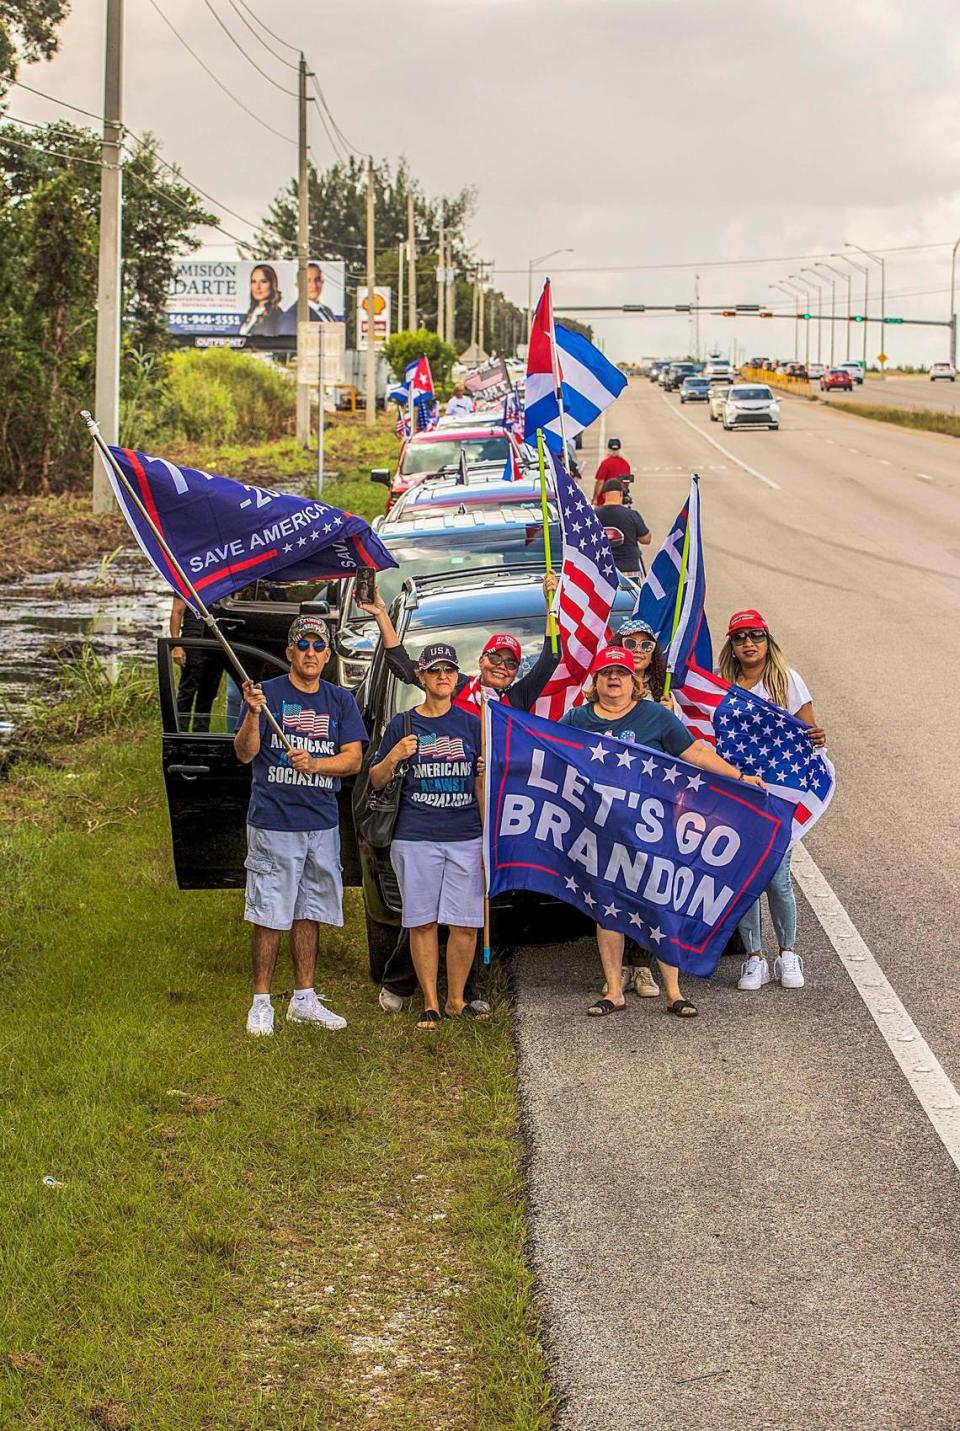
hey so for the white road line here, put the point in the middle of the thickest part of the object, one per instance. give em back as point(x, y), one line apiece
point(883, 462)
point(924, 477)
point(919, 1065)
point(768, 481)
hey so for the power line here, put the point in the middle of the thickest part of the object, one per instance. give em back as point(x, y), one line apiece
point(256, 36)
point(76, 108)
point(343, 138)
point(286, 43)
point(233, 39)
point(57, 153)
point(722, 262)
point(217, 81)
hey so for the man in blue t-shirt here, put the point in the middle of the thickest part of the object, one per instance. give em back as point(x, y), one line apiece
point(293, 832)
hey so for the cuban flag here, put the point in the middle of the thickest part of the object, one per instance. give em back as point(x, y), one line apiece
point(760, 739)
point(511, 468)
point(224, 534)
point(658, 595)
point(564, 368)
point(418, 377)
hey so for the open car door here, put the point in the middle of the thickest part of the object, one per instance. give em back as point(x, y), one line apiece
point(207, 787)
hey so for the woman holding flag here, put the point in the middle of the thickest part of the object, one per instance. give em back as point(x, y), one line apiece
point(615, 706)
point(752, 659)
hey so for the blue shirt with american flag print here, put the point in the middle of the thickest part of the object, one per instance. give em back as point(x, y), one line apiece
point(438, 800)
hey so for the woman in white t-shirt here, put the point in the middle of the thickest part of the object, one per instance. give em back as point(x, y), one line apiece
point(751, 658)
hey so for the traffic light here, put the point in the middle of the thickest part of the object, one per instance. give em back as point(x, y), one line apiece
point(805, 316)
point(728, 313)
point(764, 315)
point(856, 318)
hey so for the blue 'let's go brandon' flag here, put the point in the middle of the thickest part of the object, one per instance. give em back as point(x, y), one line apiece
point(639, 841)
point(225, 535)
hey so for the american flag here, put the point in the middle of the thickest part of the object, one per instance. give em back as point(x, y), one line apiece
point(587, 589)
point(441, 747)
point(760, 739)
point(303, 721)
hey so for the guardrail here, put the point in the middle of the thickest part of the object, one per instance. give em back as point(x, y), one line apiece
point(800, 386)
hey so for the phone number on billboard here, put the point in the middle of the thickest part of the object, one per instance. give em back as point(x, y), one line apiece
point(223, 321)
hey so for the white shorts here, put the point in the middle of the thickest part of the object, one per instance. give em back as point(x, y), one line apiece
point(440, 883)
point(293, 874)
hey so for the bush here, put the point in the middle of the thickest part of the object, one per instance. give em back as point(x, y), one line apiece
point(219, 395)
point(405, 347)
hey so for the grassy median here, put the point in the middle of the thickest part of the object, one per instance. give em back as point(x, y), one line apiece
point(204, 1232)
point(927, 420)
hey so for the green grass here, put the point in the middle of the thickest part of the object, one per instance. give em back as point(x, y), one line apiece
point(350, 450)
point(925, 421)
point(315, 1231)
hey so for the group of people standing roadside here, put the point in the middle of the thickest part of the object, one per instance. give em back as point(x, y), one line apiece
point(293, 860)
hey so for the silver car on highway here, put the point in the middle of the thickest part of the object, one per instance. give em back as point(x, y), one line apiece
point(718, 396)
point(751, 405)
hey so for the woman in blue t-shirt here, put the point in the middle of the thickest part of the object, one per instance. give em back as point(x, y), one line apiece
point(436, 849)
point(615, 706)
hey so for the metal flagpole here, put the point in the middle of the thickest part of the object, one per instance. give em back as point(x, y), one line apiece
point(205, 613)
point(678, 605)
point(486, 817)
point(551, 619)
point(555, 364)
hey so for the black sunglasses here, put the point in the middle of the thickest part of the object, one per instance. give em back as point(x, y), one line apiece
point(441, 670)
point(304, 645)
point(738, 637)
point(497, 658)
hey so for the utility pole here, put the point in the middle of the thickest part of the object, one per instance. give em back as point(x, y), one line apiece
point(696, 316)
point(107, 390)
point(451, 293)
point(303, 255)
point(401, 247)
point(412, 274)
point(370, 387)
point(441, 289)
point(480, 308)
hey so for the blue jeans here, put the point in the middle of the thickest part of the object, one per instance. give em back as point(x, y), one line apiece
point(783, 911)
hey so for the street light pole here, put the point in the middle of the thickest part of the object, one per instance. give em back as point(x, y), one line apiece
point(796, 326)
point(849, 282)
point(883, 297)
point(802, 283)
point(530, 267)
point(953, 304)
point(818, 281)
point(833, 307)
point(865, 274)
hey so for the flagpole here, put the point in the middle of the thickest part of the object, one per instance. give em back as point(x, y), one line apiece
point(551, 618)
point(205, 613)
point(558, 385)
point(678, 604)
point(486, 817)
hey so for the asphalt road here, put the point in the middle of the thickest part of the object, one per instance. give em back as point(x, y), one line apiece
point(748, 1220)
point(914, 393)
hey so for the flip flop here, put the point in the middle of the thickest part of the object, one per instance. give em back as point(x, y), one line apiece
point(469, 1012)
point(429, 1019)
point(603, 1007)
point(683, 1009)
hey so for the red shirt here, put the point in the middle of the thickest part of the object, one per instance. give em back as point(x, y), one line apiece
point(612, 466)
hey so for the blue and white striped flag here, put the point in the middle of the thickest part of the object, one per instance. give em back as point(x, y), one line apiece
point(588, 382)
point(658, 595)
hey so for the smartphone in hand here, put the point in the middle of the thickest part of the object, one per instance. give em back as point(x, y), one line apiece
point(365, 586)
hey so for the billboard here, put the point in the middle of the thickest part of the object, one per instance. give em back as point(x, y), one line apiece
point(242, 303)
point(381, 317)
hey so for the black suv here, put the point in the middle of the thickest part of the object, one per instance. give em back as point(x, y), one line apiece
point(676, 374)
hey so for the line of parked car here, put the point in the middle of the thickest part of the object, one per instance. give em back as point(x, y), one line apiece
point(470, 553)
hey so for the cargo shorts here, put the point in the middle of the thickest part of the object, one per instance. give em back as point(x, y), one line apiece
point(293, 874)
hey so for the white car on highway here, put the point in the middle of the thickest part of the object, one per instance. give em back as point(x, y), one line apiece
point(815, 371)
point(716, 400)
point(854, 368)
point(751, 405)
point(943, 370)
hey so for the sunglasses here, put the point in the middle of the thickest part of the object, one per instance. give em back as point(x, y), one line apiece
point(507, 663)
point(738, 637)
point(633, 643)
point(304, 645)
point(441, 670)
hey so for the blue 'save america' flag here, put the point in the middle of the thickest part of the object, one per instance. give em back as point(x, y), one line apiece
point(640, 842)
point(658, 595)
point(560, 359)
point(760, 739)
point(225, 535)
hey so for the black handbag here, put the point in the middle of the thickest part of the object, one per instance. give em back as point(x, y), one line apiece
point(376, 827)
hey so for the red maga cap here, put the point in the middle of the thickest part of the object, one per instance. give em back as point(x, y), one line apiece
point(502, 642)
point(743, 620)
point(613, 656)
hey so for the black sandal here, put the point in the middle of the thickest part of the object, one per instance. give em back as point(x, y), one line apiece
point(429, 1019)
point(683, 1009)
point(469, 1012)
point(603, 1007)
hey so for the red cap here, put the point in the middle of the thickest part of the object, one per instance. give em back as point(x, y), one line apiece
point(613, 656)
point(502, 642)
point(744, 620)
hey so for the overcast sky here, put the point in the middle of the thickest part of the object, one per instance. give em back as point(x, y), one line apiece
point(636, 132)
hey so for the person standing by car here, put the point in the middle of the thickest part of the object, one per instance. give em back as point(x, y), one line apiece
point(293, 835)
point(626, 530)
point(436, 847)
point(613, 465)
point(751, 658)
point(459, 405)
point(200, 670)
point(615, 706)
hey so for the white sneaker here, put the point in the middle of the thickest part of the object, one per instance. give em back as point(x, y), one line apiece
point(754, 973)
point(788, 968)
point(390, 1003)
point(260, 1020)
point(644, 983)
point(312, 1011)
point(480, 1006)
